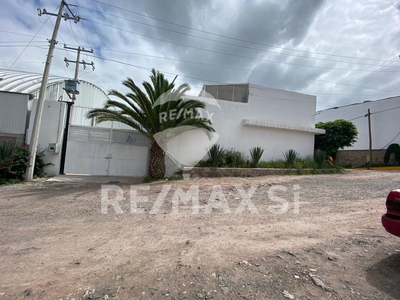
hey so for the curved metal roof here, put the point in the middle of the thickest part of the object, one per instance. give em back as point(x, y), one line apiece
point(28, 83)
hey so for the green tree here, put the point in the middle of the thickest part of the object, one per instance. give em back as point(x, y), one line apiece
point(339, 134)
point(146, 111)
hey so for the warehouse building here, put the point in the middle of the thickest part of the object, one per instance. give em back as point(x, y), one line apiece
point(385, 126)
point(89, 145)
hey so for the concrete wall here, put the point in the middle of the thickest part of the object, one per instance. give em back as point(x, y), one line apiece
point(249, 172)
point(385, 122)
point(51, 131)
point(356, 158)
point(272, 105)
point(274, 120)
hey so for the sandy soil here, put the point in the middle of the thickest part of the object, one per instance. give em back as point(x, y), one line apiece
point(56, 244)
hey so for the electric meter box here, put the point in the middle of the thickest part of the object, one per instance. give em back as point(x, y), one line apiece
point(54, 147)
point(71, 86)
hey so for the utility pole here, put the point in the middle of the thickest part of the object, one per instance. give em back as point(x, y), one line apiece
point(73, 98)
point(370, 138)
point(40, 102)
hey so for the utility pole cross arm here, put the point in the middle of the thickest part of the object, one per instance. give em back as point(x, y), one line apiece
point(40, 102)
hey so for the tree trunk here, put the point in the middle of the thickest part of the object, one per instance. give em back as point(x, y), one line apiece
point(156, 161)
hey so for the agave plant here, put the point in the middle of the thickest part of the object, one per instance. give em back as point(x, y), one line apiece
point(5, 150)
point(216, 155)
point(256, 154)
point(290, 158)
point(319, 158)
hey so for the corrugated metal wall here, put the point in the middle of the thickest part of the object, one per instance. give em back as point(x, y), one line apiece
point(90, 95)
point(13, 112)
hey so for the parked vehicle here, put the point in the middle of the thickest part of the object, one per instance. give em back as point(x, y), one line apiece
point(391, 220)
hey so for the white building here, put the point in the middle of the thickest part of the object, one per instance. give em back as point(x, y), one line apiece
point(275, 120)
point(385, 126)
point(245, 116)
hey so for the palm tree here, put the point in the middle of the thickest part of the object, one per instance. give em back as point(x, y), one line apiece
point(142, 110)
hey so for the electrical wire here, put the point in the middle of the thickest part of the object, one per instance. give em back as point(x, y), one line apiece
point(358, 78)
point(37, 32)
point(222, 42)
point(390, 141)
point(94, 56)
point(234, 68)
point(20, 54)
point(229, 37)
point(230, 54)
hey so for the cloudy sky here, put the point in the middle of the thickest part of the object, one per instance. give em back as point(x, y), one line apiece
point(342, 51)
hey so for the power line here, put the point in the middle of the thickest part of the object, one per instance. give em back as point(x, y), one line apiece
point(234, 68)
point(20, 46)
point(233, 55)
point(222, 42)
point(390, 141)
point(26, 46)
point(181, 76)
point(22, 34)
point(2, 42)
point(229, 37)
point(361, 76)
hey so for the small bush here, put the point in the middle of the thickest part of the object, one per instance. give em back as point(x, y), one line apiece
point(175, 176)
point(309, 163)
point(298, 164)
point(319, 158)
point(393, 148)
point(276, 164)
point(13, 167)
point(255, 154)
point(290, 158)
point(234, 159)
point(216, 156)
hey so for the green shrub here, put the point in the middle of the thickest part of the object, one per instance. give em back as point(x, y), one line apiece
point(234, 159)
point(203, 164)
point(255, 154)
point(393, 148)
point(14, 166)
point(319, 158)
point(276, 164)
point(216, 156)
point(176, 176)
point(298, 164)
point(290, 157)
point(309, 163)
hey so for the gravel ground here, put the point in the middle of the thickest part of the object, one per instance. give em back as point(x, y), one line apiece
point(56, 244)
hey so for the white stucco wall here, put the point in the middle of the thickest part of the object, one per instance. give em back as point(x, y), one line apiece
point(269, 107)
point(265, 104)
point(51, 131)
point(385, 123)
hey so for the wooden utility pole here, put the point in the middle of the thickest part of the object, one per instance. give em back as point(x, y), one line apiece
point(40, 103)
point(370, 138)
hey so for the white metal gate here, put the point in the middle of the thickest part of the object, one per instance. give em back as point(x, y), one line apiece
point(105, 151)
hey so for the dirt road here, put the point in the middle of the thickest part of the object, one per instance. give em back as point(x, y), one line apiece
point(56, 244)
